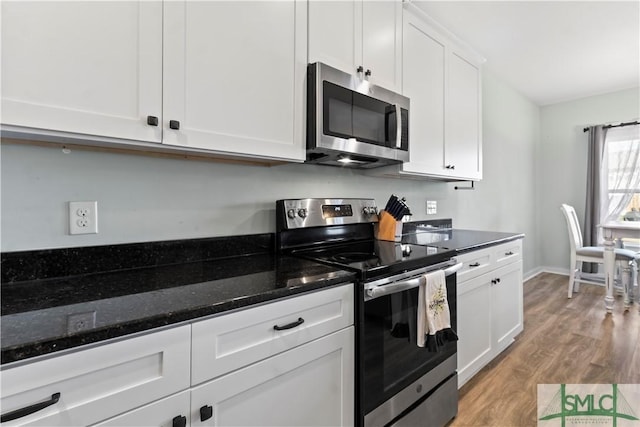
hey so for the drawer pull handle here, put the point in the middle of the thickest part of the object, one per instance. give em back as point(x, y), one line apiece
point(206, 412)
point(23, 412)
point(180, 421)
point(298, 322)
point(508, 253)
point(475, 264)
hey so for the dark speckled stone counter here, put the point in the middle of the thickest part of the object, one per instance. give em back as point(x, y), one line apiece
point(460, 240)
point(43, 290)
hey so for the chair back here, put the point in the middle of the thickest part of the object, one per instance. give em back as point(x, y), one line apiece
point(575, 235)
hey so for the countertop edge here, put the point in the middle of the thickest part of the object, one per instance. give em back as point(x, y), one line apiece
point(32, 352)
point(515, 236)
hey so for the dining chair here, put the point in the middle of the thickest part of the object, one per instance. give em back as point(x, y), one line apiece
point(626, 259)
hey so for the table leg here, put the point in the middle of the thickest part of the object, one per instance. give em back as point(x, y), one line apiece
point(609, 270)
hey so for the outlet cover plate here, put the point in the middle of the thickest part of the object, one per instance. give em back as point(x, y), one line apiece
point(432, 207)
point(83, 217)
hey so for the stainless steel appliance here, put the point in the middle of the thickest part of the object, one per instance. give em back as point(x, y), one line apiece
point(351, 122)
point(397, 382)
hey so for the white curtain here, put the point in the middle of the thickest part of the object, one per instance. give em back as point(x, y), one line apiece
point(620, 171)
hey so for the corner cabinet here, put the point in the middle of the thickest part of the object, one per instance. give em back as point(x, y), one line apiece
point(221, 77)
point(358, 37)
point(443, 82)
point(490, 305)
point(288, 362)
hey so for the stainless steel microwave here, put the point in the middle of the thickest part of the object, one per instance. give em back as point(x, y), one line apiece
point(351, 122)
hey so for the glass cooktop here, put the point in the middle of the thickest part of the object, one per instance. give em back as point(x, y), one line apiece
point(376, 258)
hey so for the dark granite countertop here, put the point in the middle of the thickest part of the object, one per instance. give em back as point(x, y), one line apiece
point(460, 240)
point(59, 299)
point(39, 316)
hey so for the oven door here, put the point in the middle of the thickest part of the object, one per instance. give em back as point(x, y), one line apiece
point(390, 355)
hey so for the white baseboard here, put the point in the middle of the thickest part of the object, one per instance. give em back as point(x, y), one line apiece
point(545, 269)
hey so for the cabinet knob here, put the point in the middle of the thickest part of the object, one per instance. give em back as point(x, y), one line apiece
point(152, 120)
point(450, 167)
point(360, 69)
point(206, 412)
point(367, 73)
point(174, 124)
point(475, 264)
point(180, 421)
point(493, 281)
point(508, 253)
point(498, 280)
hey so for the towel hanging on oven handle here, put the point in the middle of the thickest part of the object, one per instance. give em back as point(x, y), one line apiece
point(403, 285)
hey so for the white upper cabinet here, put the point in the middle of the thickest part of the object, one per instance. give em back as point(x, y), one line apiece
point(424, 84)
point(463, 142)
point(219, 77)
point(359, 37)
point(234, 77)
point(443, 83)
point(92, 68)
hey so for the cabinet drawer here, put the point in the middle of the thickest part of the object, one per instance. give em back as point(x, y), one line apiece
point(474, 264)
point(101, 382)
point(508, 253)
point(223, 344)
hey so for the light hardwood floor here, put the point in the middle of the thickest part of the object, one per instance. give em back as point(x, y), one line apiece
point(569, 341)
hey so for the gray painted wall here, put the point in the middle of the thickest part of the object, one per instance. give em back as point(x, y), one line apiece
point(562, 165)
point(143, 198)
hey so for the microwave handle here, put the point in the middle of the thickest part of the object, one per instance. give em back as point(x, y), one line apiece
point(399, 126)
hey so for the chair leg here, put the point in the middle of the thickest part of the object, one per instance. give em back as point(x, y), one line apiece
point(572, 277)
point(627, 283)
point(576, 284)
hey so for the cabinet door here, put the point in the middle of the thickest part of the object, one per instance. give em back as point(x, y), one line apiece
point(161, 413)
point(310, 385)
point(474, 326)
point(506, 305)
point(335, 33)
point(234, 77)
point(92, 68)
point(463, 145)
point(423, 82)
point(382, 42)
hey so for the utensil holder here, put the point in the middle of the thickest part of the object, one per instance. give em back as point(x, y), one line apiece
point(387, 228)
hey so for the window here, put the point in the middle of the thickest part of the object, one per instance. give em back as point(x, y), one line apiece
point(621, 167)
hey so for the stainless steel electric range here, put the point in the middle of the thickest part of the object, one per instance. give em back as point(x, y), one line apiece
point(397, 382)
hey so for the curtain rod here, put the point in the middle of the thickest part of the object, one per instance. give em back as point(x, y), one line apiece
point(616, 126)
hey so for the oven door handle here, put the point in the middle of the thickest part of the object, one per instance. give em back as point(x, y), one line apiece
point(403, 285)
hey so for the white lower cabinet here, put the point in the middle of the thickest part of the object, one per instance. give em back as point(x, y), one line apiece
point(101, 382)
point(172, 411)
point(285, 363)
point(310, 385)
point(490, 306)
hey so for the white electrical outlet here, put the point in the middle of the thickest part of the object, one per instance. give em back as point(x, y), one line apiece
point(432, 207)
point(83, 217)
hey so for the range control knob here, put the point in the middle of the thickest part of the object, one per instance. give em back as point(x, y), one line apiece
point(369, 210)
point(291, 213)
point(302, 213)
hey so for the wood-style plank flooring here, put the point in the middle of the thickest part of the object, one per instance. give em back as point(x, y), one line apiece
point(569, 341)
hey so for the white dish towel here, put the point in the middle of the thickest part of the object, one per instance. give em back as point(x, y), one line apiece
point(434, 321)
